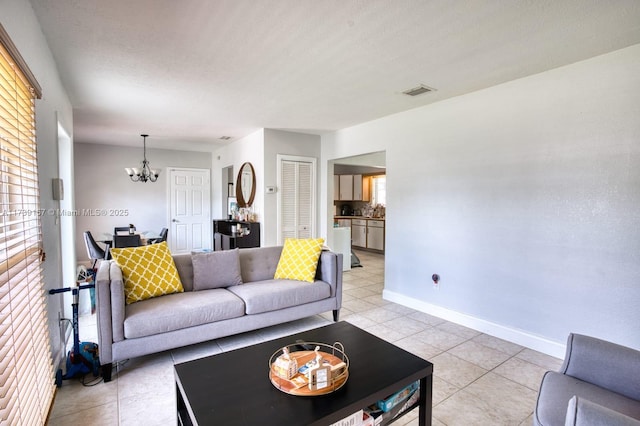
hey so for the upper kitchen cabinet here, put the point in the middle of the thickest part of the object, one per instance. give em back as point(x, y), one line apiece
point(361, 185)
point(346, 187)
point(357, 187)
point(352, 188)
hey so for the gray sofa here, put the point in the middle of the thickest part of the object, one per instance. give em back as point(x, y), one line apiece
point(180, 319)
point(598, 384)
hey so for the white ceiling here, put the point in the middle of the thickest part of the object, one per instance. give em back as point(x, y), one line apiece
point(188, 72)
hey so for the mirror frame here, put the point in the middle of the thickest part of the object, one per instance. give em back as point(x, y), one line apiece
point(239, 195)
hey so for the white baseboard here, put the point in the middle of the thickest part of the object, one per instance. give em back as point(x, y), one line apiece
point(510, 334)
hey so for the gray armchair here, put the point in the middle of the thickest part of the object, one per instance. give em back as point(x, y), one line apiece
point(598, 384)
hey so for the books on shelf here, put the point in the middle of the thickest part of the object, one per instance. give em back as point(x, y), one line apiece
point(353, 420)
point(392, 400)
point(395, 404)
point(384, 410)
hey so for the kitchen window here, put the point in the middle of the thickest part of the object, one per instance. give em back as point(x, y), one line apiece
point(379, 190)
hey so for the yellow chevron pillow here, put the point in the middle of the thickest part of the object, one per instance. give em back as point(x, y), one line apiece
point(299, 259)
point(148, 271)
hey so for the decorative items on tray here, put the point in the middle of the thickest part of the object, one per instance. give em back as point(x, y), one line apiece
point(308, 368)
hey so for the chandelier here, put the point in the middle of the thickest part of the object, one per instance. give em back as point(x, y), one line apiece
point(145, 173)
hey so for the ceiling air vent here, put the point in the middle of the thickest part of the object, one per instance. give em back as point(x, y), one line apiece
point(418, 90)
point(225, 138)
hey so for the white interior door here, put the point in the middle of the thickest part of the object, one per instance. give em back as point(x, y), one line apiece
point(296, 204)
point(190, 210)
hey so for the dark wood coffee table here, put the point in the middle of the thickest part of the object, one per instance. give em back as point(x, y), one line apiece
point(233, 388)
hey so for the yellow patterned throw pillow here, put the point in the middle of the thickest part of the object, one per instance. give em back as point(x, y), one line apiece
point(299, 259)
point(148, 271)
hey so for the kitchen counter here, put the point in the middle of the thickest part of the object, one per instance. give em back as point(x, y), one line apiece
point(366, 232)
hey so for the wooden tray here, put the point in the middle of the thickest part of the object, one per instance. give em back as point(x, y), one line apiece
point(299, 385)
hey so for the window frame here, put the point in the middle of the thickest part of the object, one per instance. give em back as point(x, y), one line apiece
point(26, 363)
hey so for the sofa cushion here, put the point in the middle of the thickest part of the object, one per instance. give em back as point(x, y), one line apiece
point(259, 263)
point(271, 295)
point(148, 271)
point(557, 389)
point(185, 270)
point(216, 269)
point(180, 310)
point(299, 259)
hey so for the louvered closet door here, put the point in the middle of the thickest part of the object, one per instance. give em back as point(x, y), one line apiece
point(297, 199)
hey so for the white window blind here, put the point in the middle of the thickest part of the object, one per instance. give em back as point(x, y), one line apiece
point(26, 367)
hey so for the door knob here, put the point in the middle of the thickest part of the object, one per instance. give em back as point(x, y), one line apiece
point(175, 220)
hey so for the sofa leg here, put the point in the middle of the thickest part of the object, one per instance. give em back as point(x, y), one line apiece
point(106, 372)
point(336, 315)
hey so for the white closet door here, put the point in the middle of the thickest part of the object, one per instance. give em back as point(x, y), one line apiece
point(305, 188)
point(297, 203)
point(288, 200)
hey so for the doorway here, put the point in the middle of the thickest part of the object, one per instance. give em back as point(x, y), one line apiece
point(68, 255)
point(227, 187)
point(360, 206)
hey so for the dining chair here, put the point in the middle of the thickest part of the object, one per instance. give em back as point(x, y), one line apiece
point(120, 241)
point(94, 251)
point(162, 237)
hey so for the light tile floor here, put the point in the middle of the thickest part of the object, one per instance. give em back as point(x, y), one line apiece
point(478, 379)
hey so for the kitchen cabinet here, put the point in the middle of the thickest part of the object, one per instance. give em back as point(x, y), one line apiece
point(366, 188)
point(351, 188)
point(375, 234)
point(359, 232)
point(346, 187)
point(368, 233)
point(357, 187)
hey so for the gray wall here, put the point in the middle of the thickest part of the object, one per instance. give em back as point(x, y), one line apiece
point(261, 149)
point(524, 197)
point(20, 22)
point(248, 149)
point(284, 143)
point(101, 183)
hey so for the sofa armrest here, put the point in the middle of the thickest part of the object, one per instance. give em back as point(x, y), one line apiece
point(330, 271)
point(117, 302)
point(110, 308)
point(605, 364)
point(103, 312)
point(582, 412)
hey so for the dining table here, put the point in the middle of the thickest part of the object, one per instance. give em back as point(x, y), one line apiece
point(145, 236)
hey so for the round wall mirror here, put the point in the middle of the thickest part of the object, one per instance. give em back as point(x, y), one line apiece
point(246, 185)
